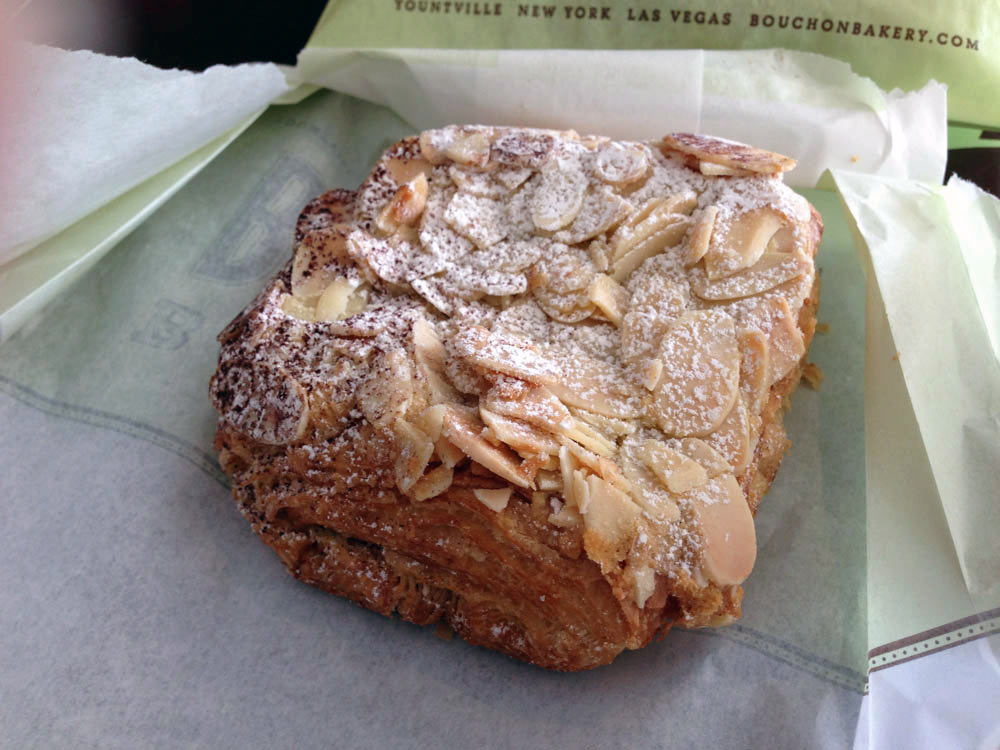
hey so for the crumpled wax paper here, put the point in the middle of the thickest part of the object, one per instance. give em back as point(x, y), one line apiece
point(89, 127)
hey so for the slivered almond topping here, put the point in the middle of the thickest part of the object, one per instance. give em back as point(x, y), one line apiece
point(321, 257)
point(710, 459)
point(415, 451)
point(737, 156)
point(645, 584)
point(466, 433)
point(387, 392)
point(477, 183)
point(433, 483)
point(739, 242)
point(661, 214)
point(602, 210)
point(769, 271)
point(701, 234)
point(621, 164)
point(495, 500)
point(677, 472)
point(669, 235)
point(729, 540)
point(719, 170)
point(609, 297)
point(701, 371)
point(341, 299)
point(754, 364)
point(448, 452)
point(521, 436)
point(429, 355)
point(610, 522)
point(731, 439)
point(558, 199)
point(786, 346)
point(472, 150)
point(406, 205)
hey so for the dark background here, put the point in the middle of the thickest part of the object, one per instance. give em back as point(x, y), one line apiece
point(196, 34)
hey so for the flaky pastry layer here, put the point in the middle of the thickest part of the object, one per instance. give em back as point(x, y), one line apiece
point(528, 384)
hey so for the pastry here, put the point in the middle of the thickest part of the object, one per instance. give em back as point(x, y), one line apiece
point(528, 385)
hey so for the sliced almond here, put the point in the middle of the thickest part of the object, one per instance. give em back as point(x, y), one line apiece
point(589, 438)
point(610, 427)
point(718, 170)
point(786, 346)
point(731, 439)
point(432, 419)
point(506, 353)
point(510, 256)
point(729, 546)
point(710, 459)
point(683, 202)
point(581, 491)
point(754, 364)
point(387, 392)
point(677, 472)
point(405, 169)
point(629, 235)
point(609, 297)
point(521, 436)
point(738, 156)
point(405, 207)
point(482, 220)
point(701, 370)
point(414, 452)
point(602, 210)
point(262, 401)
point(621, 163)
point(495, 500)
point(434, 292)
point(768, 272)
point(595, 385)
point(645, 584)
point(643, 486)
point(321, 257)
point(511, 177)
point(668, 236)
point(297, 308)
point(466, 433)
point(558, 199)
point(738, 242)
point(433, 483)
point(523, 148)
point(469, 149)
point(532, 403)
point(429, 355)
point(549, 481)
point(610, 522)
point(566, 517)
point(701, 234)
point(448, 452)
point(476, 183)
point(341, 299)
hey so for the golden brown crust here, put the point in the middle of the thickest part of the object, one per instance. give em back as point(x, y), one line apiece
point(363, 499)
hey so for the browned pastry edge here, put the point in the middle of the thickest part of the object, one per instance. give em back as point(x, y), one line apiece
point(420, 591)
